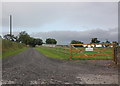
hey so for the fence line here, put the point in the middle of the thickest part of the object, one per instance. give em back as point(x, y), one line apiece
point(76, 50)
point(117, 55)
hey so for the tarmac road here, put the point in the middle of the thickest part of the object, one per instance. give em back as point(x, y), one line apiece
point(31, 67)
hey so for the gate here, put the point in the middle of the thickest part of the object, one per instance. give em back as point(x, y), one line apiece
point(92, 51)
point(117, 55)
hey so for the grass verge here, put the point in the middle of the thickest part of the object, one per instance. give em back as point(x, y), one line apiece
point(10, 48)
point(53, 52)
point(12, 52)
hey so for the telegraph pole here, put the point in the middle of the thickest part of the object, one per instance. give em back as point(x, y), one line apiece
point(10, 25)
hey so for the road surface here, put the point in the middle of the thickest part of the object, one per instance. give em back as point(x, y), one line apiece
point(32, 67)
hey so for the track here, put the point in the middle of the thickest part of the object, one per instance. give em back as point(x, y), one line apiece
point(31, 67)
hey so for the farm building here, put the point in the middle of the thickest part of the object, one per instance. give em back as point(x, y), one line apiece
point(96, 46)
point(99, 45)
point(49, 45)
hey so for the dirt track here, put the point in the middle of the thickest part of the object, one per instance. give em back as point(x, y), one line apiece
point(31, 67)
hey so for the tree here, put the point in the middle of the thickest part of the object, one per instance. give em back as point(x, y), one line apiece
point(0, 37)
point(115, 42)
point(107, 42)
point(38, 41)
point(76, 42)
point(33, 42)
point(94, 40)
point(51, 41)
point(24, 38)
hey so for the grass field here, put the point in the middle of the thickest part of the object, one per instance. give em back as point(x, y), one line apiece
point(57, 52)
point(61, 53)
point(11, 48)
point(96, 54)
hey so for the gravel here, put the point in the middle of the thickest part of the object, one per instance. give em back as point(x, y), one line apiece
point(31, 67)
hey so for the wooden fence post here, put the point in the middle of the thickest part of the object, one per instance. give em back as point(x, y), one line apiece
point(115, 53)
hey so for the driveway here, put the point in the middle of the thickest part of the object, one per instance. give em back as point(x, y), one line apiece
point(32, 67)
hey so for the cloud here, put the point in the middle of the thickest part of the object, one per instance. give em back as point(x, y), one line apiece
point(35, 16)
point(64, 37)
point(64, 21)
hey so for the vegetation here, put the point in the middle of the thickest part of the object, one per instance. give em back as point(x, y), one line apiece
point(33, 42)
point(64, 53)
point(10, 37)
point(94, 40)
point(76, 42)
point(56, 52)
point(25, 38)
point(12, 52)
point(15, 44)
point(116, 43)
point(96, 54)
point(51, 41)
point(10, 48)
point(107, 41)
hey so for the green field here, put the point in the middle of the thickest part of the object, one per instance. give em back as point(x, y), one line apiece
point(10, 48)
point(57, 52)
point(61, 53)
point(97, 53)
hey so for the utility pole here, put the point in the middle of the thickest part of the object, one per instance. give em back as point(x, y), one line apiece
point(10, 25)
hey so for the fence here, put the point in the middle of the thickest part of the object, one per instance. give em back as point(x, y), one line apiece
point(117, 55)
point(90, 51)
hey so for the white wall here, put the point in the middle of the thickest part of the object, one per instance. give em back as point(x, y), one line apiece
point(49, 45)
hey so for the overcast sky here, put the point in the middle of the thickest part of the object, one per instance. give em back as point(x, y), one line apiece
point(64, 21)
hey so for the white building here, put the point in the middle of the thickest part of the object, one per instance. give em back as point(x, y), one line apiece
point(49, 45)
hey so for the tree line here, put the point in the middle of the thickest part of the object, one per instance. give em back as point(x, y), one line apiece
point(93, 40)
point(24, 37)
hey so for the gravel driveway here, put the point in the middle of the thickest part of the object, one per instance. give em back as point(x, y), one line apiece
point(31, 67)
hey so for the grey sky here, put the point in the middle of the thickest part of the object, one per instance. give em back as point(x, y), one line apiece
point(64, 37)
point(64, 21)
